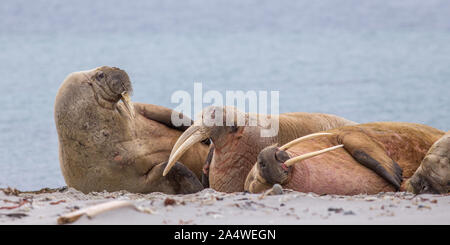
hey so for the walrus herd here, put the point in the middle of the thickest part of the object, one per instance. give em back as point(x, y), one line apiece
point(235, 148)
point(107, 142)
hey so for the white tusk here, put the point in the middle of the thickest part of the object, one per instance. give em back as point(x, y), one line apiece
point(294, 160)
point(183, 137)
point(128, 104)
point(289, 144)
point(196, 137)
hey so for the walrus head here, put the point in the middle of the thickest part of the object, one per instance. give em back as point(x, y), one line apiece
point(433, 174)
point(271, 167)
point(213, 124)
point(110, 85)
point(268, 170)
point(274, 164)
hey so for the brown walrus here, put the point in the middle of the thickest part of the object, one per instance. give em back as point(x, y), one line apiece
point(106, 142)
point(236, 146)
point(366, 158)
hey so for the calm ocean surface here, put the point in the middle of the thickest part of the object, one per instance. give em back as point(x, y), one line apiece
point(363, 60)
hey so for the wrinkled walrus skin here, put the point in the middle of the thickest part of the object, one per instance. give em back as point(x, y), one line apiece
point(108, 144)
point(375, 157)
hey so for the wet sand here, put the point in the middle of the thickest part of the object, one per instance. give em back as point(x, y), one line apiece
point(210, 207)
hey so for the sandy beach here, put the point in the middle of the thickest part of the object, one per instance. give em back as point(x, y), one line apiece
point(209, 207)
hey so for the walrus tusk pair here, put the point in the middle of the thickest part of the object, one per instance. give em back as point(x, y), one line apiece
point(300, 158)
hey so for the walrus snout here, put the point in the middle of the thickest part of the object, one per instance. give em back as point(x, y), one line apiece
point(268, 170)
point(110, 85)
point(271, 165)
point(114, 81)
point(420, 184)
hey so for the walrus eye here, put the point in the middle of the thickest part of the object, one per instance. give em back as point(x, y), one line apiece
point(424, 188)
point(234, 129)
point(100, 76)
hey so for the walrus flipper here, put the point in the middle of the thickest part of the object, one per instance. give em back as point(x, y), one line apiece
point(160, 114)
point(180, 181)
point(372, 155)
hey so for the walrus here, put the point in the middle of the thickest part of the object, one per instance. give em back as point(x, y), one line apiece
point(433, 174)
point(360, 159)
point(235, 147)
point(106, 142)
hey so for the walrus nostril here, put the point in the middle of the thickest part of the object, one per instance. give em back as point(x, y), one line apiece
point(281, 156)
